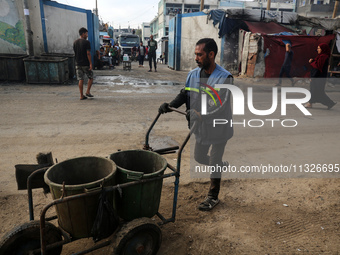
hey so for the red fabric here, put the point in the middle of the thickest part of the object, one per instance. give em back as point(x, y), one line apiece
point(266, 28)
point(321, 58)
point(304, 48)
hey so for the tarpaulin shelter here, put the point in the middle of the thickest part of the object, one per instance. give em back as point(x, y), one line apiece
point(304, 48)
point(261, 41)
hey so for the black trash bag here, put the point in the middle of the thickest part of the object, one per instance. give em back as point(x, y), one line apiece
point(106, 221)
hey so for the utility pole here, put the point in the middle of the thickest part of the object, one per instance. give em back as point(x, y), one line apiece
point(335, 8)
point(202, 5)
point(29, 33)
point(268, 5)
point(96, 8)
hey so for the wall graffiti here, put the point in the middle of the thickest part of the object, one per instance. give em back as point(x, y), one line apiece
point(11, 27)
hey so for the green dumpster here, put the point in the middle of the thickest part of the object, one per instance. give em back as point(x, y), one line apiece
point(47, 70)
point(80, 175)
point(12, 67)
point(71, 62)
point(141, 200)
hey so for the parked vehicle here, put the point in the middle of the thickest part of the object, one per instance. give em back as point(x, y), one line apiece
point(126, 43)
point(105, 39)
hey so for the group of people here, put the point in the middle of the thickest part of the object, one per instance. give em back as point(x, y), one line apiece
point(209, 146)
point(108, 55)
point(142, 52)
point(111, 55)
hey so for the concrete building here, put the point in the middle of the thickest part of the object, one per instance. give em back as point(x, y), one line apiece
point(167, 9)
point(154, 27)
point(145, 32)
point(307, 8)
point(316, 8)
point(276, 5)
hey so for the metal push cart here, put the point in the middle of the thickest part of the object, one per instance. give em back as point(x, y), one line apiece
point(137, 236)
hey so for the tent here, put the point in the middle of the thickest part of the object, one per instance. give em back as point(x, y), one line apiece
point(304, 48)
point(275, 36)
point(262, 39)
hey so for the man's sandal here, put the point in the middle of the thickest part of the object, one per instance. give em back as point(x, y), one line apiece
point(208, 204)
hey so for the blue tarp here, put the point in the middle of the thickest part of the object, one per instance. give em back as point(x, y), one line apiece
point(226, 26)
point(229, 25)
point(285, 33)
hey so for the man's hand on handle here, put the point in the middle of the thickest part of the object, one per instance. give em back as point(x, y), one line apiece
point(164, 108)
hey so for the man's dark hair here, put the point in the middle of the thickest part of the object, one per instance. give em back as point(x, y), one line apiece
point(209, 45)
point(83, 30)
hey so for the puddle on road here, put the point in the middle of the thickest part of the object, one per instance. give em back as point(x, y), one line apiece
point(124, 80)
point(161, 142)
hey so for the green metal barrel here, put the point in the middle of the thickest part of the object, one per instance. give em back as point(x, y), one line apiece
point(80, 175)
point(141, 200)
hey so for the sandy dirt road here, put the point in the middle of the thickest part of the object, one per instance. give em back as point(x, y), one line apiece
point(256, 215)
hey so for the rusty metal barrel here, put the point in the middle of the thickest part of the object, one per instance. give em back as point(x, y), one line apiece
point(79, 175)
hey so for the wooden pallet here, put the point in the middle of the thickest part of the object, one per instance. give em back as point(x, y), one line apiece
point(334, 59)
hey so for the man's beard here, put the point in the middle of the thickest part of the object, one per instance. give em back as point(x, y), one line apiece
point(205, 65)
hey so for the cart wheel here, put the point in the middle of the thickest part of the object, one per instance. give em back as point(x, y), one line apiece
point(26, 237)
point(139, 237)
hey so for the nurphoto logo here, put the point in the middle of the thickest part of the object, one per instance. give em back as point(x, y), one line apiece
point(239, 104)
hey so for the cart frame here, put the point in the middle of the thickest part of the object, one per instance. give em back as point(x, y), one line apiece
point(67, 237)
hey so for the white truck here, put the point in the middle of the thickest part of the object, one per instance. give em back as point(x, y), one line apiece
point(126, 42)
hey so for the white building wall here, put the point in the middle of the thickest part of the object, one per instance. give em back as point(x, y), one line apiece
point(193, 29)
point(61, 40)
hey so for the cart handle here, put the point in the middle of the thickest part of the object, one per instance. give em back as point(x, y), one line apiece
point(176, 110)
point(146, 145)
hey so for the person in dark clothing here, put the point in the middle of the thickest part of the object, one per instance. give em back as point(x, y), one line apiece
point(210, 74)
point(97, 61)
point(287, 64)
point(319, 75)
point(141, 54)
point(134, 53)
point(105, 58)
point(152, 45)
point(82, 51)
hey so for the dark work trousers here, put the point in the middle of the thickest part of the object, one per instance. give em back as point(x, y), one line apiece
point(141, 60)
point(215, 158)
point(152, 56)
point(285, 70)
point(317, 91)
